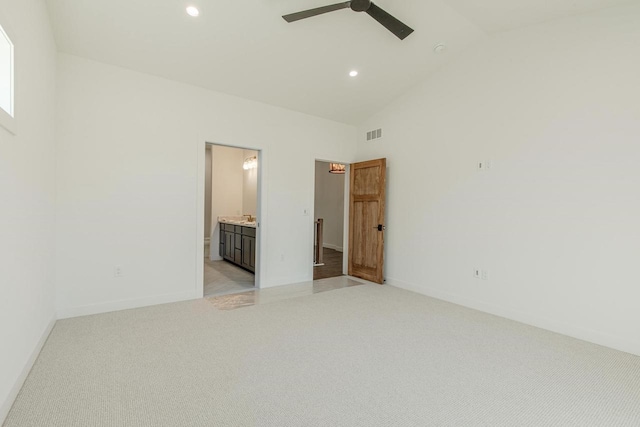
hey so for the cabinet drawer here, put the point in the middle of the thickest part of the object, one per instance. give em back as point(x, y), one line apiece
point(238, 229)
point(249, 231)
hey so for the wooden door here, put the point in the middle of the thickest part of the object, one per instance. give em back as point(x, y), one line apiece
point(366, 220)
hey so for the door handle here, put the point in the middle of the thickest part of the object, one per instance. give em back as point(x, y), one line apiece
point(380, 227)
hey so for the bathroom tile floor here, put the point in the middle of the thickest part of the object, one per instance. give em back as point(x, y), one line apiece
point(222, 277)
point(279, 293)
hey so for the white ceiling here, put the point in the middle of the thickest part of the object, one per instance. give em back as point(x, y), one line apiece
point(245, 48)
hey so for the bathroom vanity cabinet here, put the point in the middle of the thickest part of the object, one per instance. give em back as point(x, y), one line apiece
point(238, 245)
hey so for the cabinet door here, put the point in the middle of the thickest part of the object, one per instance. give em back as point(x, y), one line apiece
point(238, 243)
point(252, 258)
point(249, 252)
point(229, 246)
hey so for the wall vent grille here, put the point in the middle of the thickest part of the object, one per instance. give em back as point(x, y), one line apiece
point(374, 134)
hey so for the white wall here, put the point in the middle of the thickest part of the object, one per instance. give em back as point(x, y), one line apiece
point(119, 206)
point(227, 189)
point(249, 186)
point(555, 109)
point(329, 205)
point(27, 194)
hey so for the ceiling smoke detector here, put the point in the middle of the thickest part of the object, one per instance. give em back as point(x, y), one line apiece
point(439, 48)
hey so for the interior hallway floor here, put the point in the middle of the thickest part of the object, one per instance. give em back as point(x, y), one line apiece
point(222, 277)
point(332, 267)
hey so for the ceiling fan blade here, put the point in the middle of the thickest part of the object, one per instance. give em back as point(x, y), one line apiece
point(314, 12)
point(392, 24)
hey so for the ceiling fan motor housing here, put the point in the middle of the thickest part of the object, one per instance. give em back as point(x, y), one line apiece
point(360, 5)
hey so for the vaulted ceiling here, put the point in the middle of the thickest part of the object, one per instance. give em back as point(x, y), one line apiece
point(245, 48)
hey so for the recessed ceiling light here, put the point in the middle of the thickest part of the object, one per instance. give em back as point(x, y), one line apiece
point(439, 48)
point(353, 73)
point(193, 11)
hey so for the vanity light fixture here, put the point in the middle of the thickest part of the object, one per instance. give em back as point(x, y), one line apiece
point(250, 163)
point(337, 168)
point(193, 11)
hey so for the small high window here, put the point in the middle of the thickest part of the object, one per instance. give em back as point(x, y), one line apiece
point(6, 80)
point(6, 73)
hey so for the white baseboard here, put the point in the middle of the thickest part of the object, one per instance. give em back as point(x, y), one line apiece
point(13, 393)
point(334, 247)
point(611, 341)
point(110, 306)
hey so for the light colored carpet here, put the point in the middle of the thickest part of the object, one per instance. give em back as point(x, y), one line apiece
point(360, 356)
point(222, 277)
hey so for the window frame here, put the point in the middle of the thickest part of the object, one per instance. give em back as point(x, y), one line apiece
point(8, 118)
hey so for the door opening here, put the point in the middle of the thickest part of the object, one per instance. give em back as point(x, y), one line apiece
point(329, 219)
point(231, 223)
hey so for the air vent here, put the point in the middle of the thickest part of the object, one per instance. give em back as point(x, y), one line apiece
point(374, 134)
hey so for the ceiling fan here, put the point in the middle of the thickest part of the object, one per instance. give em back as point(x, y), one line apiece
point(390, 23)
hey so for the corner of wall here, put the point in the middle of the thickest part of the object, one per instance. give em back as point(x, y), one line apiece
point(19, 382)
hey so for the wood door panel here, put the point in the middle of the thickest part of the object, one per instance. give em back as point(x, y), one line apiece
point(366, 181)
point(358, 238)
point(371, 227)
point(366, 235)
point(366, 212)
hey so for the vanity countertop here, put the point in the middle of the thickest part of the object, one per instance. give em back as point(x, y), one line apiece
point(237, 220)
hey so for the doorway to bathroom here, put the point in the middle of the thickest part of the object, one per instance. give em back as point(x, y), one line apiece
point(231, 193)
point(330, 218)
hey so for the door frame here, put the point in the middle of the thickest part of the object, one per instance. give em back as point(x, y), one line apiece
point(260, 213)
point(345, 218)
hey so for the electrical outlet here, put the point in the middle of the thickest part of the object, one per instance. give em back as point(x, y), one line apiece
point(305, 212)
point(477, 273)
point(483, 165)
point(117, 271)
point(485, 274)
